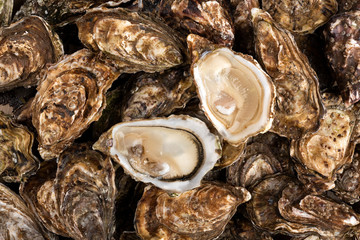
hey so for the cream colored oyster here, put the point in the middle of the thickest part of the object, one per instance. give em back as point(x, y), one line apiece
point(236, 94)
point(172, 153)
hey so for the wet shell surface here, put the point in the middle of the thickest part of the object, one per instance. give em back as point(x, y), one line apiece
point(172, 153)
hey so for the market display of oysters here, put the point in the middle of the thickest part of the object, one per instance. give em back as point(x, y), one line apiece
point(179, 119)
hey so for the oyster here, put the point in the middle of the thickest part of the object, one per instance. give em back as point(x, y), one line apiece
point(26, 47)
point(298, 105)
point(6, 8)
point(236, 94)
point(172, 153)
point(70, 97)
point(201, 213)
point(303, 16)
point(130, 38)
point(207, 18)
point(324, 153)
point(78, 201)
point(16, 159)
point(16, 220)
point(343, 53)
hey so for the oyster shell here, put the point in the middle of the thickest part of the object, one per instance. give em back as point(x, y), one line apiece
point(303, 16)
point(131, 38)
point(172, 153)
point(70, 97)
point(16, 159)
point(236, 94)
point(343, 53)
point(78, 201)
point(298, 105)
point(26, 47)
point(324, 153)
point(6, 8)
point(201, 213)
point(16, 219)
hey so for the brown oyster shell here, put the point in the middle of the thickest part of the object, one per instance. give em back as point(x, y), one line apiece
point(26, 47)
point(323, 153)
point(84, 180)
point(300, 16)
point(17, 161)
point(207, 18)
point(131, 38)
point(70, 97)
point(298, 105)
point(343, 53)
point(201, 213)
point(16, 219)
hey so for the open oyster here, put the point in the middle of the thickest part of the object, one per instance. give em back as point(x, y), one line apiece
point(236, 94)
point(78, 201)
point(16, 159)
point(130, 37)
point(26, 47)
point(172, 153)
point(70, 97)
point(201, 213)
point(302, 16)
point(298, 105)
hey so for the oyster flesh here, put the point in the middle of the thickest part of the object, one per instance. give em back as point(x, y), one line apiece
point(172, 153)
point(201, 213)
point(69, 98)
point(235, 93)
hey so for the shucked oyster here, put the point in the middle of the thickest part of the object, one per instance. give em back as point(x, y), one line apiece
point(76, 199)
point(201, 213)
point(298, 106)
point(26, 47)
point(70, 97)
point(172, 153)
point(236, 94)
point(16, 159)
point(130, 37)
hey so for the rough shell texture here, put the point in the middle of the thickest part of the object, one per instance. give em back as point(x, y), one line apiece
point(327, 150)
point(16, 219)
point(300, 16)
point(298, 105)
point(130, 37)
point(26, 47)
point(207, 18)
point(6, 8)
point(343, 53)
point(201, 213)
point(70, 97)
point(78, 201)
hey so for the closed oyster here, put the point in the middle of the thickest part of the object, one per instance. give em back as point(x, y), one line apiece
point(298, 105)
point(70, 97)
point(26, 47)
point(207, 18)
point(303, 16)
point(201, 213)
point(323, 153)
point(172, 153)
point(131, 38)
point(78, 201)
point(343, 53)
point(16, 219)
point(16, 159)
point(236, 94)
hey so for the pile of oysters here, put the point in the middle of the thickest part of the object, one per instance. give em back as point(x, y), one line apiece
point(179, 119)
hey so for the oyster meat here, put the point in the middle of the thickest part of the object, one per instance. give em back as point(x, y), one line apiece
point(172, 153)
point(17, 161)
point(298, 105)
point(131, 38)
point(235, 93)
point(26, 48)
point(201, 213)
point(69, 98)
